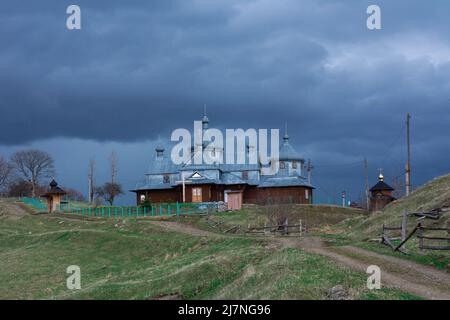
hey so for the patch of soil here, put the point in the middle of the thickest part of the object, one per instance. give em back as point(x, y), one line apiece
point(172, 296)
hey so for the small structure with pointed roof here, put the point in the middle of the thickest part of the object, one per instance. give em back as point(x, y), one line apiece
point(53, 196)
point(380, 194)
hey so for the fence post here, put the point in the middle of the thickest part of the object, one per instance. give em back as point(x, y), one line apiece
point(420, 236)
point(178, 208)
point(168, 209)
point(300, 227)
point(448, 235)
point(160, 210)
point(404, 227)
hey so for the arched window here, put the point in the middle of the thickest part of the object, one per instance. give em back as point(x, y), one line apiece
point(166, 178)
point(282, 165)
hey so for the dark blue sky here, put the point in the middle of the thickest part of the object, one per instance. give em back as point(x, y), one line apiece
point(139, 69)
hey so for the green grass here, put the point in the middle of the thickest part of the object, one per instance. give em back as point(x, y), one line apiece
point(132, 259)
point(317, 218)
point(433, 195)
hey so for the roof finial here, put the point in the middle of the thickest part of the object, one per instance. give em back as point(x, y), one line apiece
point(205, 119)
point(286, 136)
point(380, 176)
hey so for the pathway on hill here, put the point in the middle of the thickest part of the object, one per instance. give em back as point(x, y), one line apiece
point(415, 278)
point(184, 228)
point(408, 276)
point(11, 209)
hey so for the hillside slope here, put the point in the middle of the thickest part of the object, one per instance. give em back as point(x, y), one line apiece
point(433, 195)
point(140, 259)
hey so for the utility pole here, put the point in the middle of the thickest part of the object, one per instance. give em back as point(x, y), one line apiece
point(309, 168)
point(408, 163)
point(113, 163)
point(366, 181)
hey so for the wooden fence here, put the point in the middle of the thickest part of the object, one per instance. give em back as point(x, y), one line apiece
point(424, 234)
point(432, 237)
point(284, 229)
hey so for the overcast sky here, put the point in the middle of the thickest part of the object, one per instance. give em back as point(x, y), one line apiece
point(139, 69)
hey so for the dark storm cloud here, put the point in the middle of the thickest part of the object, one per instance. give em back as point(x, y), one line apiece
point(138, 67)
point(142, 68)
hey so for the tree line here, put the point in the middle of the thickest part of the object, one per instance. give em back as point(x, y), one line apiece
point(27, 172)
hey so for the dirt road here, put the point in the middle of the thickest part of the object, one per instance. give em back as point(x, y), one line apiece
point(420, 280)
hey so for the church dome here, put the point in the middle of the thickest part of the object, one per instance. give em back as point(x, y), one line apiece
point(159, 148)
point(287, 152)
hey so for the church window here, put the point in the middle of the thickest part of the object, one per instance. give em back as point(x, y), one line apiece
point(294, 165)
point(282, 165)
point(166, 179)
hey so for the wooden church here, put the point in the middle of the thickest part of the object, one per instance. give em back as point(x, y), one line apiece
point(231, 183)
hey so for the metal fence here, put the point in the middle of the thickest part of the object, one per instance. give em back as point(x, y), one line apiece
point(35, 203)
point(160, 209)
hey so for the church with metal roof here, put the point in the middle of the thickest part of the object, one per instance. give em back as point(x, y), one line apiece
point(233, 184)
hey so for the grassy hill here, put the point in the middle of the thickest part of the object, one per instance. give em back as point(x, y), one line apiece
point(134, 259)
point(317, 218)
point(433, 195)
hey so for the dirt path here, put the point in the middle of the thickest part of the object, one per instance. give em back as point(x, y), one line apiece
point(11, 209)
point(408, 276)
point(183, 228)
point(420, 280)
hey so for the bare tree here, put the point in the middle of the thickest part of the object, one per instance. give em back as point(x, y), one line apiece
point(91, 181)
point(19, 188)
point(109, 191)
point(73, 195)
point(5, 171)
point(113, 164)
point(33, 165)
